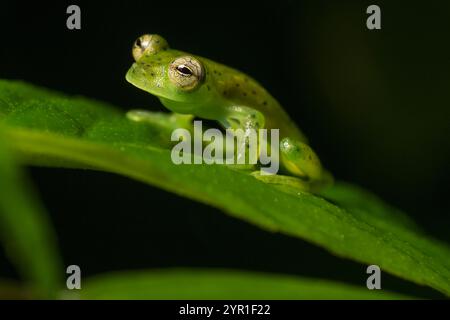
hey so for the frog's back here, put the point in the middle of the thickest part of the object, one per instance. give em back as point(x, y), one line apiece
point(242, 90)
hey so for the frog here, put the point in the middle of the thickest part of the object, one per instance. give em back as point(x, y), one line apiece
point(191, 86)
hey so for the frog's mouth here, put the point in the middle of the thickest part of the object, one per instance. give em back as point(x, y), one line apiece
point(179, 106)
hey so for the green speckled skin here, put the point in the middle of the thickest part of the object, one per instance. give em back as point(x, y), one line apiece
point(228, 96)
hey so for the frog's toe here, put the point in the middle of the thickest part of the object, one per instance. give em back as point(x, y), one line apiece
point(288, 184)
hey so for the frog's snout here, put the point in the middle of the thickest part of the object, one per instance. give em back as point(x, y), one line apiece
point(127, 76)
point(131, 73)
point(135, 74)
point(145, 77)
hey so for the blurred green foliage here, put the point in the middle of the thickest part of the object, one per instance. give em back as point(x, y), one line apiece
point(210, 284)
point(26, 232)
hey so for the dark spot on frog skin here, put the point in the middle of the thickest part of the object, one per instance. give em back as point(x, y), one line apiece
point(265, 103)
point(245, 94)
point(208, 87)
point(152, 74)
point(237, 85)
point(224, 92)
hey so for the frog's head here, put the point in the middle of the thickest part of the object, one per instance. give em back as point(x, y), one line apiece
point(175, 77)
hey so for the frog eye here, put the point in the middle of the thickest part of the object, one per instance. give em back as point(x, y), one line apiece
point(148, 43)
point(186, 72)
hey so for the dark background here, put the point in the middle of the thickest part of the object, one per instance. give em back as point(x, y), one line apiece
point(374, 104)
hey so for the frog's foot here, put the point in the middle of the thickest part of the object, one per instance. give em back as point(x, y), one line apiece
point(169, 121)
point(242, 167)
point(288, 184)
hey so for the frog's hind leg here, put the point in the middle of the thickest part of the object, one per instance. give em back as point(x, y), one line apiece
point(303, 164)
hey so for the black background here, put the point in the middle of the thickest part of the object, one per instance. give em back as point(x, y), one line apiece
point(374, 104)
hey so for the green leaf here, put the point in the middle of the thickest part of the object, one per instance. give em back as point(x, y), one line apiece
point(25, 230)
point(192, 284)
point(50, 129)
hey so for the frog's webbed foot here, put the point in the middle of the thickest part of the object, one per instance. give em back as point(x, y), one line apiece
point(170, 121)
point(292, 184)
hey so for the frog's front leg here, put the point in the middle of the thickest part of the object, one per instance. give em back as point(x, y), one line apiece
point(170, 121)
point(249, 121)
